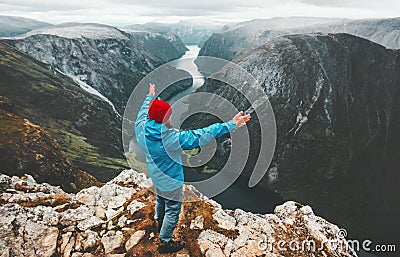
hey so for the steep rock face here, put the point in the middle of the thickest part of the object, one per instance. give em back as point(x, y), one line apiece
point(102, 57)
point(117, 220)
point(165, 45)
point(28, 148)
point(86, 127)
point(11, 25)
point(256, 33)
point(336, 104)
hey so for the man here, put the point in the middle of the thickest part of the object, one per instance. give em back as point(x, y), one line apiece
point(163, 146)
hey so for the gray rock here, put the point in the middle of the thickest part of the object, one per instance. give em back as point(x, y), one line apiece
point(71, 216)
point(69, 229)
point(100, 212)
point(197, 223)
point(91, 240)
point(50, 217)
point(114, 196)
point(89, 223)
point(69, 247)
point(48, 242)
point(134, 206)
point(78, 243)
point(110, 225)
point(286, 212)
point(88, 255)
point(212, 242)
point(122, 221)
point(134, 239)
point(64, 241)
point(224, 220)
point(111, 213)
point(87, 196)
point(129, 177)
point(116, 201)
point(112, 240)
point(215, 252)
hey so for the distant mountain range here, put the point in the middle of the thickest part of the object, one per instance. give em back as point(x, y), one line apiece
point(250, 35)
point(191, 32)
point(11, 25)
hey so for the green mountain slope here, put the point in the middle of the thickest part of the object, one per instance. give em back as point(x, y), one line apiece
point(85, 126)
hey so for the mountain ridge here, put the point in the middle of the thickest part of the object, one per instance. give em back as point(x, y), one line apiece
point(249, 36)
point(337, 127)
point(14, 25)
point(112, 66)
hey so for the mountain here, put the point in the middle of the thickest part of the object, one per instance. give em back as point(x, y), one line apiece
point(11, 26)
point(102, 59)
point(191, 32)
point(86, 128)
point(252, 34)
point(28, 148)
point(336, 104)
point(117, 220)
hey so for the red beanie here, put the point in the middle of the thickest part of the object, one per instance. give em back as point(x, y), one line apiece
point(159, 111)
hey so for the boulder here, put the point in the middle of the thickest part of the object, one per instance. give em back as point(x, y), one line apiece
point(134, 239)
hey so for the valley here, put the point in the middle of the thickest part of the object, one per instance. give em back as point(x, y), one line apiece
point(334, 86)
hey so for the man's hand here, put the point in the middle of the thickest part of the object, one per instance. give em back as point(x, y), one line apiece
point(152, 89)
point(240, 120)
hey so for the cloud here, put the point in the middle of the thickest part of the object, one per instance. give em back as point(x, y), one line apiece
point(359, 4)
point(44, 5)
point(124, 12)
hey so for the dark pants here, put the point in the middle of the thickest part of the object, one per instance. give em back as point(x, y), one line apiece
point(168, 208)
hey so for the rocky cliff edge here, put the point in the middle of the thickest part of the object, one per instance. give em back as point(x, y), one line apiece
point(116, 220)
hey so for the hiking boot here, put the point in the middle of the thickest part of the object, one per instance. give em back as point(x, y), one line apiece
point(171, 247)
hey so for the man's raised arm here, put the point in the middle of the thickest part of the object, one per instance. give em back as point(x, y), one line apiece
point(142, 115)
point(190, 139)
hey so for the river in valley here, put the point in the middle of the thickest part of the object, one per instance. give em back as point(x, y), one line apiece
point(257, 199)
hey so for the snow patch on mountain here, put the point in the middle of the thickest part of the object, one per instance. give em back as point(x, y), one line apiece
point(78, 30)
point(90, 90)
point(93, 91)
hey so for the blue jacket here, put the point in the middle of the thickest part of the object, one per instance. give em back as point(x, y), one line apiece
point(163, 147)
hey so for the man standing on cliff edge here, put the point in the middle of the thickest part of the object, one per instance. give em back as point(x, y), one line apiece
point(163, 146)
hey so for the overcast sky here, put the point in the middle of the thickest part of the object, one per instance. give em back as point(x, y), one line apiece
point(125, 12)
